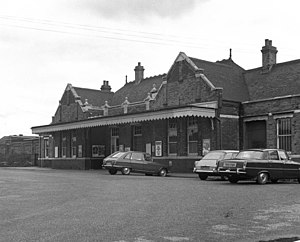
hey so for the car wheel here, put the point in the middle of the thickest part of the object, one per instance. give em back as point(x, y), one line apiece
point(125, 171)
point(233, 179)
point(112, 171)
point(202, 176)
point(262, 178)
point(162, 172)
point(274, 180)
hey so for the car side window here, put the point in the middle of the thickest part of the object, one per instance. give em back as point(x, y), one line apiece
point(137, 156)
point(128, 156)
point(273, 155)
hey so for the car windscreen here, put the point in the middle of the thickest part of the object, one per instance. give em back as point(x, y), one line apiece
point(250, 154)
point(117, 154)
point(213, 156)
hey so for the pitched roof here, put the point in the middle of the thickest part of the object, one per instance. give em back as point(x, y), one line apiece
point(227, 75)
point(136, 92)
point(283, 79)
point(94, 97)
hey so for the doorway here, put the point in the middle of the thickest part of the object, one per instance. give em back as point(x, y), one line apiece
point(256, 134)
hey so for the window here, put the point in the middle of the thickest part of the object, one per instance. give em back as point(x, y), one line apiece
point(137, 156)
point(284, 134)
point(114, 139)
point(172, 137)
point(283, 155)
point(128, 156)
point(64, 147)
point(137, 130)
point(230, 156)
point(273, 155)
point(192, 131)
point(73, 147)
point(47, 146)
point(115, 131)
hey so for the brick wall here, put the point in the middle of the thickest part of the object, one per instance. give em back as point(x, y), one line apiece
point(269, 109)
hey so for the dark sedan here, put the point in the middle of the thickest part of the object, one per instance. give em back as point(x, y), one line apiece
point(261, 165)
point(133, 161)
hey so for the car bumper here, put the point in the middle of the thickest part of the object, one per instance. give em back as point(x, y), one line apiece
point(211, 172)
point(228, 172)
point(109, 166)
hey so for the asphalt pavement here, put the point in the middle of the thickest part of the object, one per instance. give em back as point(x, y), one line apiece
point(42, 204)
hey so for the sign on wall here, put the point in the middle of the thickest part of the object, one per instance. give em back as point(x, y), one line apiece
point(98, 150)
point(158, 148)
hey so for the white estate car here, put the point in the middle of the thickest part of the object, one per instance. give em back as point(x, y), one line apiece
point(208, 165)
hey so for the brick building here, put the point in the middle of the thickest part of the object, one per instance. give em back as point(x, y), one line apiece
point(19, 150)
point(197, 106)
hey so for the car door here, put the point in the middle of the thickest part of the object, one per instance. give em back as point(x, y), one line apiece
point(137, 161)
point(149, 165)
point(275, 165)
point(126, 161)
point(291, 169)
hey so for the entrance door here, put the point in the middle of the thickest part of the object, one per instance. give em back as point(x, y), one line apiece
point(114, 144)
point(256, 134)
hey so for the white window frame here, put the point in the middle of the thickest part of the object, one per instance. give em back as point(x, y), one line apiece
point(64, 147)
point(46, 147)
point(284, 141)
point(172, 129)
point(137, 130)
point(114, 139)
point(192, 126)
point(74, 147)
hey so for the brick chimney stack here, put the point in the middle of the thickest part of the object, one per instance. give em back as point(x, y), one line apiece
point(268, 54)
point(139, 73)
point(105, 87)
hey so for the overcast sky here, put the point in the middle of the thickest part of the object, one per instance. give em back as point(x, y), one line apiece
point(46, 44)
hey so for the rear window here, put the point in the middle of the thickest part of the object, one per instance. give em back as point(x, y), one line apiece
point(117, 154)
point(230, 156)
point(250, 154)
point(213, 156)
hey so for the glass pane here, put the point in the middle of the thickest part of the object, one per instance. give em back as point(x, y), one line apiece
point(213, 156)
point(250, 155)
point(137, 156)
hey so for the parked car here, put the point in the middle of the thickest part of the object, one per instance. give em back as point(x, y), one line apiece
point(207, 166)
point(261, 165)
point(133, 161)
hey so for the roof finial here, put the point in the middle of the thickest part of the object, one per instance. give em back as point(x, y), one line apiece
point(230, 55)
